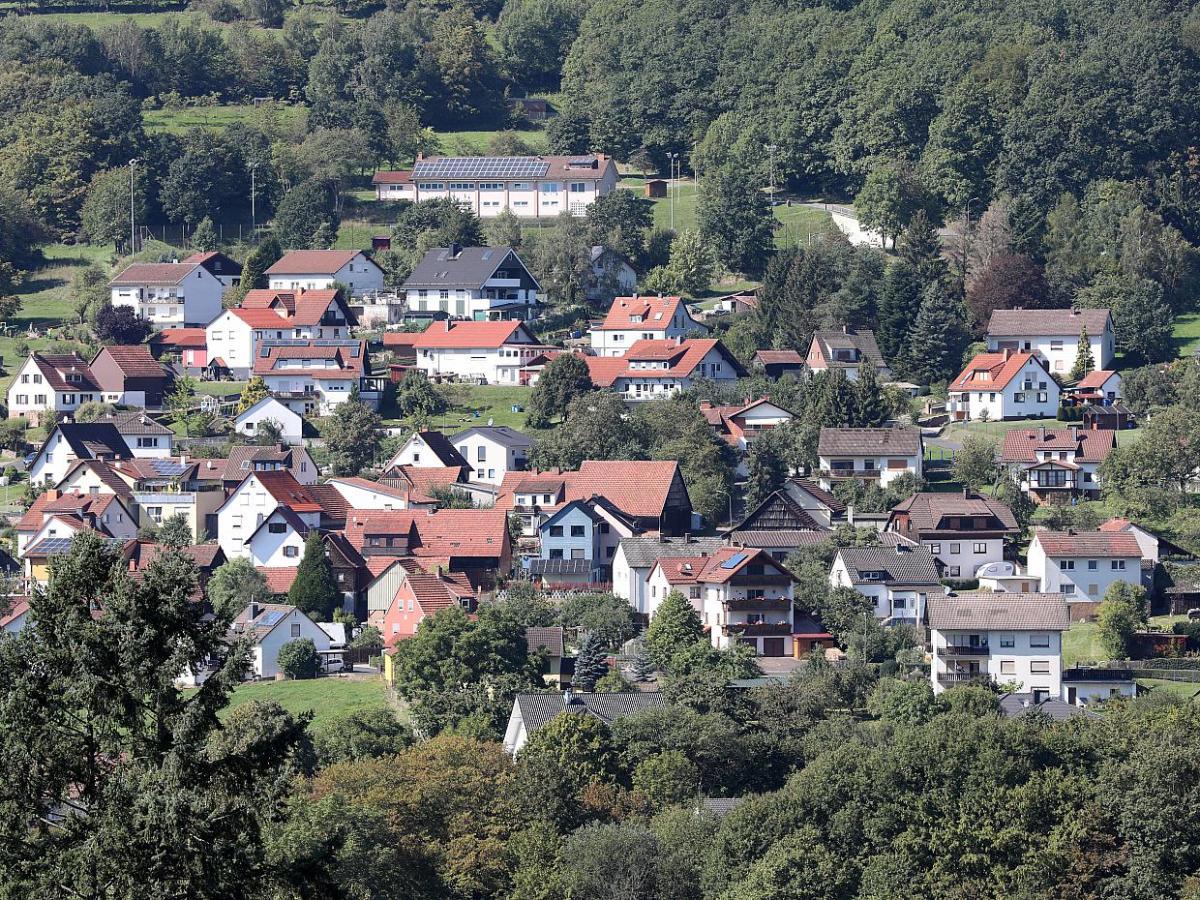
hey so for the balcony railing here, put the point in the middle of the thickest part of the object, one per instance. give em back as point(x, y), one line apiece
point(959, 677)
point(965, 650)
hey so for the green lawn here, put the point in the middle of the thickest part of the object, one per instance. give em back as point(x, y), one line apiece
point(1081, 643)
point(480, 403)
point(1188, 690)
point(220, 388)
point(1186, 335)
point(328, 698)
point(177, 121)
point(475, 143)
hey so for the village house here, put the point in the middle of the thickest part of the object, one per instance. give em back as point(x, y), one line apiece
point(738, 425)
point(51, 383)
point(492, 451)
point(963, 531)
point(309, 270)
point(633, 319)
point(869, 454)
point(1057, 464)
point(654, 369)
point(270, 626)
point(527, 186)
point(253, 500)
point(636, 557)
point(421, 595)
point(780, 526)
point(483, 352)
point(188, 346)
point(163, 488)
point(650, 493)
point(269, 410)
point(578, 542)
point(1100, 386)
point(845, 350)
point(820, 504)
point(313, 377)
point(1009, 639)
point(1083, 565)
point(742, 596)
point(130, 376)
point(531, 711)
point(274, 317)
point(278, 541)
point(58, 515)
point(169, 295)
point(777, 363)
point(246, 458)
point(610, 274)
point(1053, 335)
point(73, 441)
point(479, 283)
point(428, 449)
point(146, 437)
point(899, 579)
point(225, 270)
point(1007, 384)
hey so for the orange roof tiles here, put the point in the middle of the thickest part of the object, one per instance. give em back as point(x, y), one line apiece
point(1095, 379)
point(312, 262)
point(447, 335)
point(638, 488)
point(1120, 544)
point(992, 371)
point(651, 313)
point(134, 361)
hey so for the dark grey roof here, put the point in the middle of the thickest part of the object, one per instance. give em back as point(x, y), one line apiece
point(560, 566)
point(501, 434)
point(721, 806)
point(136, 423)
point(644, 552)
point(549, 637)
point(778, 539)
point(869, 442)
point(443, 449)
point(819, 494)
point(912, 566)
point(95, 440)
point(538, 709)
point(1017, 705)
point(468, 270)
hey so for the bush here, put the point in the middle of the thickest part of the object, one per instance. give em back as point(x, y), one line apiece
point(299, 659)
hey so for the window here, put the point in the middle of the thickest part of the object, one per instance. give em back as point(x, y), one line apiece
point(980, 547)
point(953, 571)
point(935, 549)
point(1039, 667)
point(291, 552)
point(295, 629)
point(1092, 564)
point(1008, 667)
point(1007, 640)
point(1068, 565)
point(556, 531)
point(1039, 639)
point(694, 592)
point(577, 553)
point(577, 531)
point(578, 187)
point(1118, 565)
point(556, 553)
point(956, 548)
point(462, 186)
point(277, 528)
point(147, 442)
point(549, 187)
point(481, 454)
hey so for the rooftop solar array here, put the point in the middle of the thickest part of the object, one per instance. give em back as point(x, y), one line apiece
point(451, 167)
point(734, 561)
point(168, 466)
point(271, 618)
point(51, 546)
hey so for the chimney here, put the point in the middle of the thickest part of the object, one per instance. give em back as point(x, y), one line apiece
point(455, 250)
point(1008, 352)
point(845, 329)
point(687, 537)
point(1041, 432)
point(568, 697)
point(53, 494)
point(252, 610)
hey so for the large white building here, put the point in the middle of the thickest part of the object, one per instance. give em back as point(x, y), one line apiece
point(1082, 566)
point(1008, 384)
point(51, 382)
point(272, 625)
point(633, 319)
point(169, 295)
point(963, 531)
point(652, 370)
point(256, 498)
point(309, 270)
point(1053, 335)
point(532, 187)
point(1011, 639)
point(313, 377)
point(636, 557)
point(898, 579)
point(478, 283)
point(486, 352)
point(1057, 463)
point(493, 450)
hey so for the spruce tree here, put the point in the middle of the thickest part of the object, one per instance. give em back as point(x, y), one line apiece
point(1084, 361)
point(675, 627)
point(591, 663)
point(939, 337)
point(642, 667)
point(835, 408)
point(314, 591)
point(897, 308)
point(921, 248)
point(870, 409)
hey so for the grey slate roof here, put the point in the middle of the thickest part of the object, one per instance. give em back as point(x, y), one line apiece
point(1017, 705)
point(538, 709)
point(136, 423)
point(501, 434)
point(778, 538)
point(1018, 612)
point(441, 447)
point(467, 271)
point(95, 440)
point(869, 442)
point(560, 566)
point(644, 552)
point(914, 566)
point(548, 637)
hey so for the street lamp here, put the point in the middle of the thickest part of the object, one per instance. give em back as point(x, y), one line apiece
point(132, 226)
point(771, 148)
point(253, 191)
point(674, 159)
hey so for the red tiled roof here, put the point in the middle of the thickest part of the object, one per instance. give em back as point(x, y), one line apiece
point(425, 479)
point(1095, 379)
point(134, 361)
point(402, 176)
point(638, 488)
point(653, 313)
point(605, 370)
point(1117, 524)
point(434, 592)
point(399, 339)
point(312, 262)
point(18, 609)
point(439, 533)
point(155, 273)
point(682, 357)
point(1091, 445)
point(1001, 368)
point(779, 357)
point(279, 580)
point(298, 308)
point(1089, 543)
point(718, 568)
point(348, 365)
point(449, 335)
point(182, 338)
point(77, 505)
point(55, 366)
point(283, 486)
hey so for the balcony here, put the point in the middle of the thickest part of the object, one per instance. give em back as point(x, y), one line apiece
point(964, 650)
point(372, 384)
point(953, 678)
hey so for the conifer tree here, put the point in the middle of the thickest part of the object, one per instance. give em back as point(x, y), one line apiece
point(642, 667)
point(870, 409)
point(1084, 361)
point(939, 337)
point(591, 663)
point(675, 627)
point(897, 308)
point(314, 591)
point(921, 248)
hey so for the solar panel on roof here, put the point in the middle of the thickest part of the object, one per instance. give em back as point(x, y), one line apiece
point(734, 561)
point(271, 618)
point(53, 545)
point(481, 167)
point(168, 467)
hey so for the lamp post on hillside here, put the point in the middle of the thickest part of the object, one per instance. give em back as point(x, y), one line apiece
point(674, 161)
point(966, 259)
point(771, 148)
point(132, 225)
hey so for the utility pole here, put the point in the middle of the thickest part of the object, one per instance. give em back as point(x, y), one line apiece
point(132, 225)
point(966, 258)
point(253, 191)
point(772, 148)
point(673, 157)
